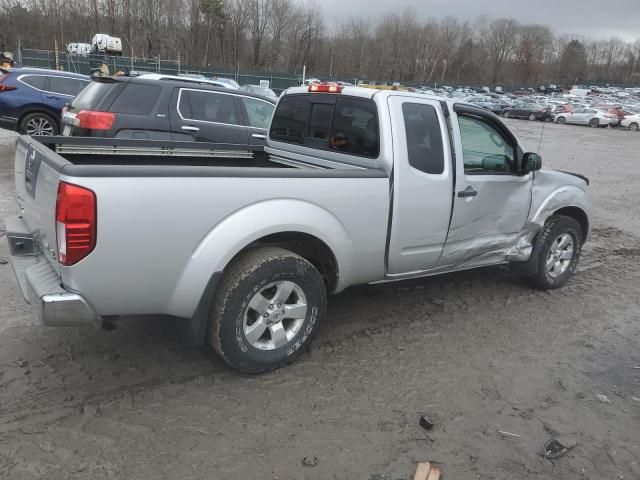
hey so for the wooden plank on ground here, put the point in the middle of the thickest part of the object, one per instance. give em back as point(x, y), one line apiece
point(428, 471)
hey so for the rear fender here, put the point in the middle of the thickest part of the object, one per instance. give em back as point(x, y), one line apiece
point(247, 225)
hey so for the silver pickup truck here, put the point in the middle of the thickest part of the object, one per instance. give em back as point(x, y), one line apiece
point(356, 186)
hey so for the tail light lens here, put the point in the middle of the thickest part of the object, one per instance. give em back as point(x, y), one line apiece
point(95, 120)
point(75, 223)
point(6, 88)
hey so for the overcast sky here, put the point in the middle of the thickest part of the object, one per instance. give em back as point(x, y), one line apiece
point(594, 18)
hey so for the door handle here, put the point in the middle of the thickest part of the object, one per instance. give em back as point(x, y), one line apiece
point(259, 136)
point(467, 192)
point(190, 128)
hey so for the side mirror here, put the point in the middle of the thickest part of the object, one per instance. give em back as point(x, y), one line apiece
point(531, 162)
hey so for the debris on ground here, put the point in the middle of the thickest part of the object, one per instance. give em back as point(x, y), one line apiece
point(509, 434)
point(310, 461)
point(426, 422)
point(603, 398)
point(553, 449)
point(635, 399)
point(3, 261)
point(428, 471)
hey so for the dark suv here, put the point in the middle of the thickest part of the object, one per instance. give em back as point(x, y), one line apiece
point(31, 99)
point(138, 108)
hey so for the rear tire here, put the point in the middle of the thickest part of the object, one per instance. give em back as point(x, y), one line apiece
point(38, 123)
point(255, 325)
point(561, 120)
point(594, 122)
point(634, 127)
point(557, 252)
point(506, 114)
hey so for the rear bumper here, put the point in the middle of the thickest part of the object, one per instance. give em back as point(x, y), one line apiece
point(40, 283)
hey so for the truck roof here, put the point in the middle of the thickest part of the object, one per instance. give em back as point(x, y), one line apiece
point(363, 92)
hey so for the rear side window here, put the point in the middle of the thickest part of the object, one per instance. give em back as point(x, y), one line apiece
point(92, 96)
point(208, 107)
point(424, 138)
point(355, 128)
point(35, 81)
point(290, 120)
point(136, 99)
point(258, 112)
point(66, 86)
point(342, 124)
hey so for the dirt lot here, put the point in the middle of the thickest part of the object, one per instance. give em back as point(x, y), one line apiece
point(479, 351)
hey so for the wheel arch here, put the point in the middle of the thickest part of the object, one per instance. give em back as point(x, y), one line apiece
point(301, 227)
point(577, 214)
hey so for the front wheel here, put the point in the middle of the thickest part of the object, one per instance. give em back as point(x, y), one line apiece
point(533, 117)
point(634, 127)
point(557, 249)
point(595, 123)
point(561, 120)
point(506, 114)
point(267, 310)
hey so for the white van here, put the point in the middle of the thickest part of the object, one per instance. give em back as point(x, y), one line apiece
point(104, 43)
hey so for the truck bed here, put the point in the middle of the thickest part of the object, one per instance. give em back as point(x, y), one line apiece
point(170, 219)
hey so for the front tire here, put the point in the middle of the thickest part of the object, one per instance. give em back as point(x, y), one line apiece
point(634, 127)
point(561, 120)
point(506, 114)
point(267, 310)
point(557, 252)
point(533, 117)
point(594, 122)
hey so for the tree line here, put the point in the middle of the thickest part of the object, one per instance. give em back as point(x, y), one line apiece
point(284, 35)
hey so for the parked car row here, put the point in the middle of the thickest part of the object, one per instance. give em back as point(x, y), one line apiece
point(50, 102)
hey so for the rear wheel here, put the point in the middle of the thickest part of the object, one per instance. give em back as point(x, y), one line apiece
point(506, 114)
point(267, 310)
point(635, 127)
point(561, 120)
point(594, 122)
point(38, 124)
point(557, 252)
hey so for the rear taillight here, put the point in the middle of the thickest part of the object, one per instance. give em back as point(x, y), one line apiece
point(95, 120)
point(75, 223)
point(6, 88)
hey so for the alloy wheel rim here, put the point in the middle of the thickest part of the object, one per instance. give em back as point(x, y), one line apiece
point(274, 315)
point(39, 126)
point(560, 255)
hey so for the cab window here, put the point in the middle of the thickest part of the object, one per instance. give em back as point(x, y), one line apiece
point(485, 150)
point(328, 122)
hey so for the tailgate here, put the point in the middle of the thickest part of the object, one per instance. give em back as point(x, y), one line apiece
point(37, 171)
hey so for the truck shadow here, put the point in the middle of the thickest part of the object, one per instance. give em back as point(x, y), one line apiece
point(70, 366)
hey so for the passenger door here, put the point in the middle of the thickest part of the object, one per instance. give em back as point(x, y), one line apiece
point(422, 185)
point(207, 116)
point(257, 117)
point(492, 199)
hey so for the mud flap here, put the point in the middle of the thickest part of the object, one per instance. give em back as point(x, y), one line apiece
point(192, 331)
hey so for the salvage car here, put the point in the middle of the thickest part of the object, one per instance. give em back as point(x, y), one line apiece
point(528, 110)
point(168, 109)
point(31, 99)
point(587, 116)
point(358, 186)
point(632, 122)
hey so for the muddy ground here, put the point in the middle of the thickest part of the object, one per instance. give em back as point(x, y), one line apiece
point(480, 352)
